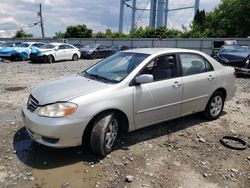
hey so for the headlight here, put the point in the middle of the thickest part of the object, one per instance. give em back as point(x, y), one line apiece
point(58, 109)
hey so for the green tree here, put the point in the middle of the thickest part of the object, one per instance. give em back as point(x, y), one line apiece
point(59, 35)
point(22, 34)
point(230, 19)
point(78, 31)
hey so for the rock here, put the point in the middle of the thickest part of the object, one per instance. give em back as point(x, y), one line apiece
point(29, 174)
point(32, 178)
point(108, 156)
point(66, 184)
point(234, 170)
point(202, 140)
point(248, 158)
point(205, 175)
point(129, 178)
point(151, 174)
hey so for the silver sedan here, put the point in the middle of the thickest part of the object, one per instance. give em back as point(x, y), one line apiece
point(127, 91)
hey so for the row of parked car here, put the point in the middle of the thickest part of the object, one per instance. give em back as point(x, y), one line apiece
point(41, 52)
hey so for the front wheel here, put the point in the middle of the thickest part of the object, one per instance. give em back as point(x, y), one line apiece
point(75, 57)
point(50, 59)
point(104, 133)
point(214, 106)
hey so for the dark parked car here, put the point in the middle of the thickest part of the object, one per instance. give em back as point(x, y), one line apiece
point(78, 45)
point(236, 56)
point(94, 51)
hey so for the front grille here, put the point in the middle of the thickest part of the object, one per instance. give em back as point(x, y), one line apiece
point(32, 104)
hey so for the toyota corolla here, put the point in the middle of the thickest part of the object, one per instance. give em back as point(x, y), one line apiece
point(124, 92)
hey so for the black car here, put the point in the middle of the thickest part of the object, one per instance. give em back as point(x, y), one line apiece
point(78, 45)
point(236, 56)
point(94, 51)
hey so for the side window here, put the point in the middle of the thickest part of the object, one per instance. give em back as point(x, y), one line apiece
point(161, 68)
point(61, 47)
point(68, 47)
point(209, 67)
point(192, 64)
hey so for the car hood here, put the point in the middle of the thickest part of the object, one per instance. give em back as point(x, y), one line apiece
point(66, 88)
point(86, 50)
point(241, 55)
point(40, 52)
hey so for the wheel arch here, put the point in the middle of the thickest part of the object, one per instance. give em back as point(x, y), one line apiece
point(223, 91)
point(123, 123)
point(54, 59)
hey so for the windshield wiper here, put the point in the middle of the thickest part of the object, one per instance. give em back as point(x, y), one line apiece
point(99, 77)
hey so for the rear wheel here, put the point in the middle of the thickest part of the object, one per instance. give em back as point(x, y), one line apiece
point(104, 133)
point(214, 106)
point(50, 59)
point(75, 57)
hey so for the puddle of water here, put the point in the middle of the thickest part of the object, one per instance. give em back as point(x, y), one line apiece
point(53, 167)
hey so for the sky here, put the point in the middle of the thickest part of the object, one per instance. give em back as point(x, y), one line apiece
point(98, 15)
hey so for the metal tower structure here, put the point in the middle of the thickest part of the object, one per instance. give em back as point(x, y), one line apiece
point(159, 10)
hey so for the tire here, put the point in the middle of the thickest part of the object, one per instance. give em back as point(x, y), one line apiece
point(93, 56)
point(75, 57)
point(50, 59)
point(104, 125)
point(214, 106)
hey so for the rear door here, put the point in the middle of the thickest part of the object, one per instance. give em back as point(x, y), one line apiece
point(159, 100)
point(69, 51)
point(198, 82)
point(60, 52)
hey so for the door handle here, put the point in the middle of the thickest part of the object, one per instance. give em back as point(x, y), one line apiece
point(210, 77)
point(176, 84)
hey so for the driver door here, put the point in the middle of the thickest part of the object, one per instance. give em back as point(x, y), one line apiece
point(161, 99)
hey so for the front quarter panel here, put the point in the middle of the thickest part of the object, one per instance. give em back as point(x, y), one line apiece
point(117, 97)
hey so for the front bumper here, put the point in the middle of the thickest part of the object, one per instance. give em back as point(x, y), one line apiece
point(54, 132)
point(35, 58)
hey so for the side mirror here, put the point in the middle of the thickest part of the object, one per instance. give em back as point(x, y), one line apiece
point(144, 78)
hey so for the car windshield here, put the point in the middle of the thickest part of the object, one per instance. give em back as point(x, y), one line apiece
point(234, 49)
point(47, 46)
point(91, 46)
point(23, 45)
point(115, 68)
point(115, 47)
point(7, 44)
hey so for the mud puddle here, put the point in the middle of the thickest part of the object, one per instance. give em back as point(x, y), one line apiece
point(51, 167)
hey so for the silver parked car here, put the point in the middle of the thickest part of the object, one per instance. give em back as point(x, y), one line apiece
point(127, 91)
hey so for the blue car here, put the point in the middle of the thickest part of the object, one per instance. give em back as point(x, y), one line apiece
point(20, 52)
point(9, 44)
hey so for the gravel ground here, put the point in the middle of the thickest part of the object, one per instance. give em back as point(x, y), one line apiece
point(181, 153)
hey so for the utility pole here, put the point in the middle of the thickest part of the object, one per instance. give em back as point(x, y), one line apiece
point(121, 16)
point(41, 19)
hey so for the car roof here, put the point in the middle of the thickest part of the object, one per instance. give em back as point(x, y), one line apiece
point(58, 43)
point(151, 51)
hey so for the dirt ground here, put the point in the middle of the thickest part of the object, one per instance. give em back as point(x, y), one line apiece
point(183, 153)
